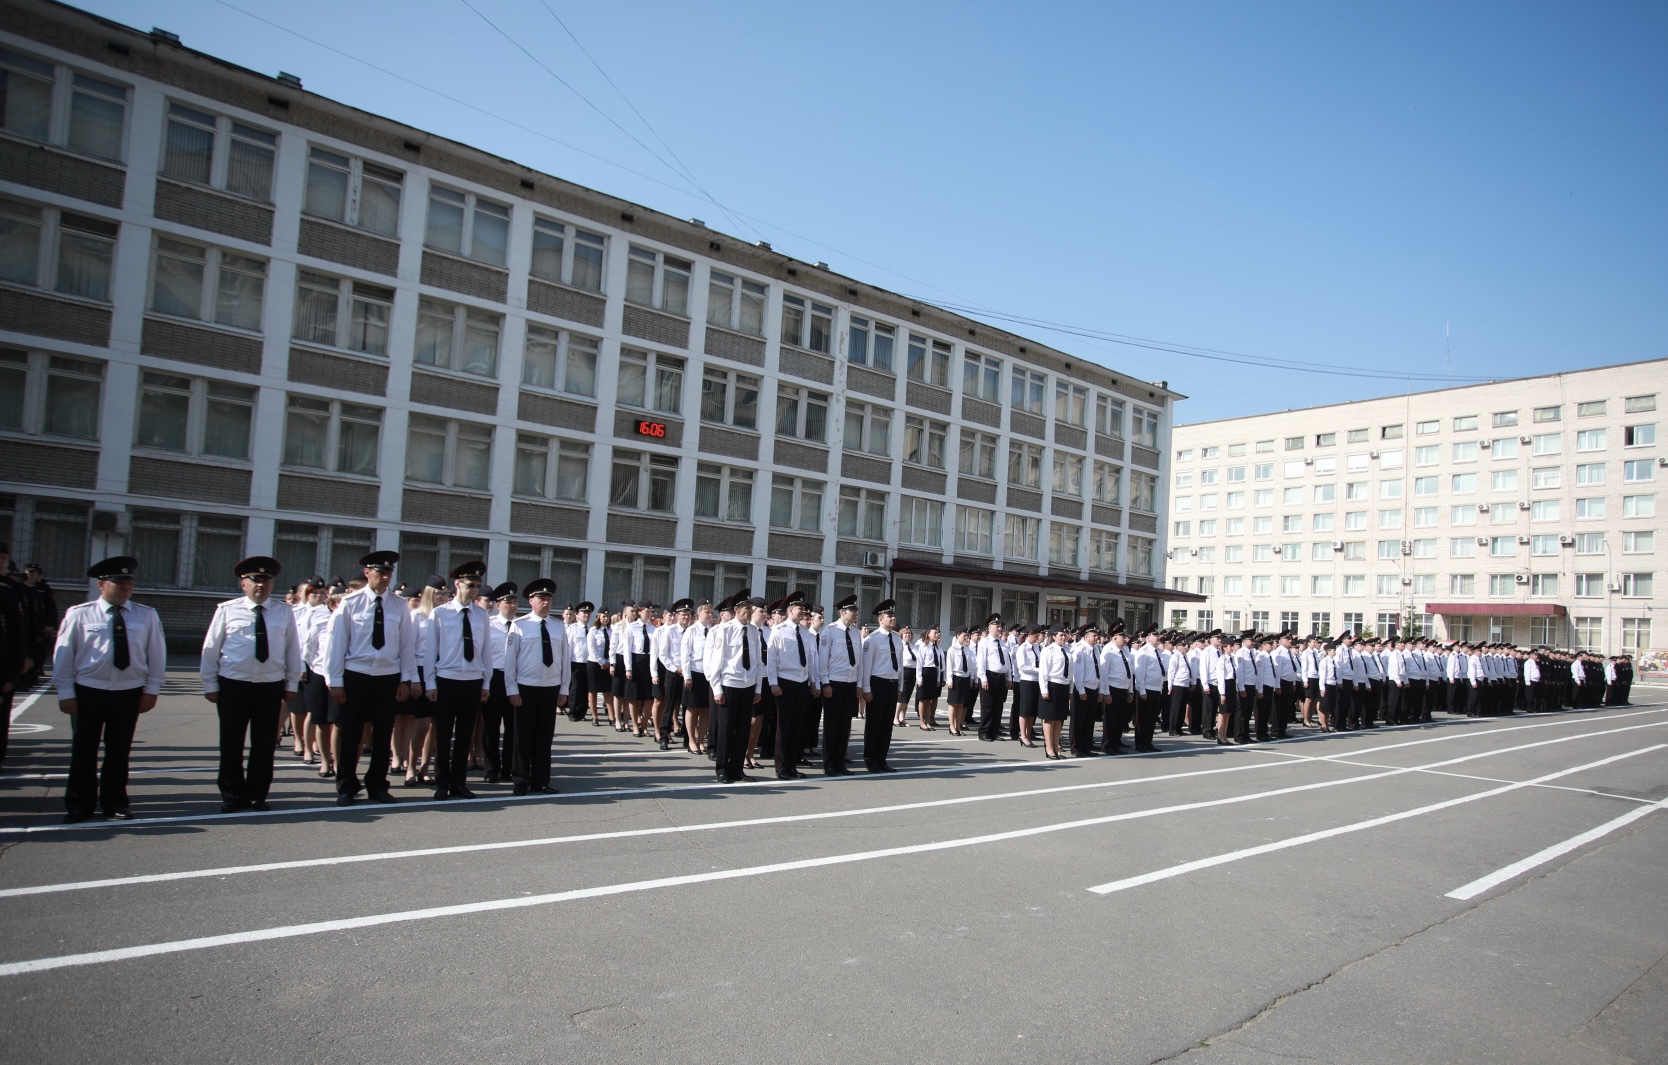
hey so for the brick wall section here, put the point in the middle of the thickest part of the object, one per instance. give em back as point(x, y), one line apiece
point(919, 555)
point(534, 519)
point(438, 390)
point(559, 301)
point(1071, 436)
point(1027, 424)
point(333, 371)
point(41, 167)
point(1143, 456)
point(560, 413)
point(171, 479)
point(1066, 508)
point(871, 383)
point(1021, 567)
point(728, 442)
point(739, 347)
point(203, 345)
point(65, 467)
point(217, 212)
point(926, 397)
point(625, 427)
point(640, 531)
point(723, 539)
point(653, 325)
point(786, 547)
point(975, 491)
point(804, 364)
point(1109, 447)
point(980, 412)
point(445, 508)
point(1024, 499)
point(465, 276)
point(862, 468)
point(326, 495)
point(916, 479)
point(48, 316)
point(323, 239)
point(1146, 523)
point(800, 457)
point(1107, 516)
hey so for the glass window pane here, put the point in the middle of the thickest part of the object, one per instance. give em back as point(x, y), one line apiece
point(357, 450)
point(162, 419)
point(490, 241)
point(473, 462)
point(226, 429)
point(188, 151)
point(249, 166)
point(581, 377)
point(72, 408)
point(327, 185)
point(84, 265)
point(20, 244)
point(25, 102)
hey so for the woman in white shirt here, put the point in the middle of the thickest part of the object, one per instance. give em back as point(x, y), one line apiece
point(962, 684)
point(906, 675)
point(928, 660)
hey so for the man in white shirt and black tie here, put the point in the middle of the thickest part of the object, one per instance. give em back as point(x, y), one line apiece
point(372, 669)
point(251, 665)
point(793, 672)
point(883, 660)
point(994, 662)
point(536, 672)
point(734, 668)
point(460, 679)
point(840, 655)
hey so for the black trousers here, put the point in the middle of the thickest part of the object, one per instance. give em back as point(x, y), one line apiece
point(456, 704)
point(1264, 713)
point(671, 703)
point(1285, 708)
point(732, 729)
point(991, 702)
point(248, 717)
point(837, 711)
point(1245, 708)
point(535, 731)
point(1146, 718)
point(579, 692)
point(1085, 711)
point(793, 711)
point(370, 700)
point(1393, 703)
point(1210, 704)
point(877, 722)
point(496, 715)
point(1118, 713)
point(110, 716)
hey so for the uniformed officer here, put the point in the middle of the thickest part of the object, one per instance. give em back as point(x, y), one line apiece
point(734, 667)
point(17, 643)
point(536, 672)
point(107, 664)
point(372, 669)
point(840, 655)
point(793, 671)
point(459, 679)
point(498, 717)
point(883, 665)
point(251, 665)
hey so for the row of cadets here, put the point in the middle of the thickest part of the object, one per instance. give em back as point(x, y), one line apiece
point(536, 672)
point(734, 664)
point(793, 668)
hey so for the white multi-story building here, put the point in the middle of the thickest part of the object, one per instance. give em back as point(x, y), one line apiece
point(1522, 511)
point(237, 317)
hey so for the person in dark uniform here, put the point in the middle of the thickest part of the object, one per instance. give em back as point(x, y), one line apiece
point(840, 653)
point(459, 678)
point(372, 670)
point(17, 642)
point(536, 670)
point(107, 666)
point(251, 666)
point(882, 667)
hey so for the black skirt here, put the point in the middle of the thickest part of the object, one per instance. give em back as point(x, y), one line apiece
point(618, 682)
point(641, 687)
point(1057, 707)
point(697, 694)
point(928, 688)
point(906, 683)
point(962, 691)
point(596, 678)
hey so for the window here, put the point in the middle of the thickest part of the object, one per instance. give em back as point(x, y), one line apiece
point(465, 224)
point(655, 279)
point(1462, 584)
point(780, 580)
point(1639, 543)
point(569, 255)
point(342, 314)
point(1424, 548)
point(1636, 635)
point(809, 326)
point(1502, 514)
point(862, 512)
point(1425, 486)
point(730, 398)
point(1639, 506)
point(49, 248)
point(451, 336)
point(1293, 443)
point(868, 428)
point(1140, 556)
point(354, 192)
point(1428, 455)
point(801, 413)
point(1143, 491)
point(1071, 403)
point(1263, 471)
point(1326, 493)
point(1549, 444)
point(546, 468)
point(187, 550)
point(1390, 489)
point(1292, 497)
point(1063, 541)
point(1424, 584)
point(643, 577)
point(1236, 474)
point(1552, 414)
point(1019, 537)
point(1639, 404)
point(1635, 471)
point(1391, 460)
point(1262, 497)
point(1293, 468)
point(1184, 455)
point(929, 362)
point(1390, 432)
point(1234, 586)
point(1290, 585)
point(1178, 584)
point(1503, 481)
point(1589, 473)
point(1103, 550)
point(1261, 587)
point(1465, 422)
point(1636, 585)
point(50, 394)
point(1589, 585)
point(1027, 390)
point(322, 434)
point(1465, 451)
point(553, 356)
point(1547, 476)
point(1589, 543)
point(1328, 466)
point(320, 548)
point(924, 441)
point(565, 566)
point(1588, 632)
point(1290, 552)
point(1589, 508)
point(1320, 584)
point(1355, 584)
point(1543, 544)
point(974, 530)
point(194, 416)
point(724, 493)
point(1144, 427)
point(1262, 552)
point(1236, 451)
point(978, 454)
point(1210, 452)
point(207, 149)
point(796, 503)
point(1231, 527)
point(1355, 551)
point(1328, 439)
point(1502, 546)
point(207, 284)
point(1426, 428)
point(1265, 447)
point(1109, 416)
point(1068, 475)
point(1544, 510)
point(441, 451)
point(981, 377)
point(1590, 440)
point(650, 380)
point(1181, 529)
point(1207, 476)
point(1424, 517)
point(1024, 464)
point(1234, 500)
point(1291, 523)
point(1639, 435)
point(88, 116)
point(1390, 518)
point(1462, 547)
point(1501, 585)
point(871, 343)
point(1463, 483)
point(1207, 554)
point(1465, 514)
point(1543, 584)
point(1504, 447)
point(643, 481)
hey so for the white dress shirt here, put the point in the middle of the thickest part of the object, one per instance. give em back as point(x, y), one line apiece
point(724, 667)
point(960, 656)
point(524, 655)
point(82, 652)
point(1087, 677)
point(446, 642)
point(882, 657)
point(1053, 667)
point(793, 655)
point(1149, 673)
point(311, 623)
point(929, 656)
point(229, 645)
point(840, 651)
point(350, 638)
point(695, 640)
point(579, 644)
point(994, 656)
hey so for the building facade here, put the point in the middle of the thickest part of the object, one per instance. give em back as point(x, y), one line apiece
point(237, 317)
point(1520, 511)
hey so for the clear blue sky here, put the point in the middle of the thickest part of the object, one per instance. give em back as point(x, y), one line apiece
point(1318, 182)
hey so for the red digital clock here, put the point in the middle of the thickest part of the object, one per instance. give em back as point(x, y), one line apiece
point(655, 429)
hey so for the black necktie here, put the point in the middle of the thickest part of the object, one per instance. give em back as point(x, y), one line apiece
point(468, 637)
point(544, 638)
point(118, 639)
point(376, 623)
point(645, 632)
point(764, 649)
point(891, 645)
point(799, 638)
point(851, 655)
point(260, 635)
point(746, 655)
point(605, 643)
point(1094, 660)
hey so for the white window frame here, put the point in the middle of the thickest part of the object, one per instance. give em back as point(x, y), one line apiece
point(455, 435)
point(873, 429)
point(921, 522)
point(200, 395)
point(355, 173)
point(29, 383)
point(53, 228)
point(477, 212)
point(794, 418)
point(862, 513)
point(975, 531)
point(226, 133)
point(648, 471)
point(336, 413)
point(803, 498)
point(1025, 392)
point(977, 454)
point(574, 246)
point(807, 324)
point(214, 261)
point(357, 305)
point(925, 441)
point(1020, 537)
point(732, 492)
point(735, 396)
point(574, 361)
point(927, 359)
point(878, 342)
point(981, 376)
point(668, 279)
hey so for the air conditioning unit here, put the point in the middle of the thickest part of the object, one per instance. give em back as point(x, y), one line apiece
point(1482, 508)
point(1662, 463)
point(874, 559)
point(1407, 582)
point(1615, 587)
point(1565, 541)
point(1170, 554)
point(1521, 578)
point(1372, 454)
point(1482, 540)
point(1337, 545)
point(1523, 440)
point(1407, 547)
point(1522, 539)
point(1308, 462)
point(1485, 444)
point(1193, 551)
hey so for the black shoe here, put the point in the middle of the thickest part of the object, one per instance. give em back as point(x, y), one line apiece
point(888, 769)
point(740, 777)
point(442, 794)
point(665, 743)
point(384, 796)
point(345, 799)
point(519, 789)
point(76, 819)
point(358, 786)
point(545, 789)
point(492, 777)
point(258, 804)
point(232, 806)
point(123, 814)
point(461, 792)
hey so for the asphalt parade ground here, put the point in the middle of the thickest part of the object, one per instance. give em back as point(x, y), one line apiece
point(1469, 891)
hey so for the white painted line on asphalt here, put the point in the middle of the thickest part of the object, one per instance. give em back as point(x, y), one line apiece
point(34, 697)
point(521, 902)
point(1539, 858)
point(1359, 826)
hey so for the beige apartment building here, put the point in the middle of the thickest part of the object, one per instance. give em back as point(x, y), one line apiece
point(1521, 511)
